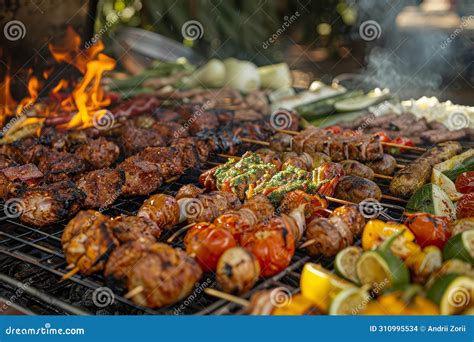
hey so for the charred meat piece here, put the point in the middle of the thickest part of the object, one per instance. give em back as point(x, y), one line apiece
point(58, 166)
point(413, 176)
point(313, 204)
point(89, 251)
point(260, 206)
point(130, 228)
point(6, 161)
point(170, 130)
point(102, 187)
point(281, 142)
point(135, 139)
point(122, 260)
point(15, 179)
point(193, 151)
point(356, 189)
point(141, 176)
point(162, 210)
point(80, 223)
point(188, 191)
point(51, 203)
point(385, 166)
point(166, 275)
point(168, 159)
point(98, 153)
point(354, 168)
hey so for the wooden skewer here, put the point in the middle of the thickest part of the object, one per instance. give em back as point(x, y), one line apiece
point(307, 243)
point(393, 198)
point(134, 292)
point(70, 273)
point(236, 157)
point(176, 234)
point(413, 148)
point(253, 141)
point(226, 296)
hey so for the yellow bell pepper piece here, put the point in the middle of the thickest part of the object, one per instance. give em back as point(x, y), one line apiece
point(320, 286)
point(298, 305)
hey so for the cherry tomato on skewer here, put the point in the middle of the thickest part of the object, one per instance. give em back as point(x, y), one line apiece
point(465, 182)
point(429, 230)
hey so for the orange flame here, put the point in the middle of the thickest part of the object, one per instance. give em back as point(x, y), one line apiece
point(87, 98)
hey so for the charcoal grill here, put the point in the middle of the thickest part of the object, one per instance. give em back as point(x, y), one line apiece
point(32, 264)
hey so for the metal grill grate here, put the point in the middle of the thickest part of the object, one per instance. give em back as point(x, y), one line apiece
point(32, 262)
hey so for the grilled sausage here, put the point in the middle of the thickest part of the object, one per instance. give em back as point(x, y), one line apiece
point(356, 189)
point(413, 176)
point(354, 168)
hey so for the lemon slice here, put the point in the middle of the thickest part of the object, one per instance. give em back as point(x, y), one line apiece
point(346, 261)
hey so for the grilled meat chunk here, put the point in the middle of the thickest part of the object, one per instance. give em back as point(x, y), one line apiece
point(168, 159)
point(131, 228)
point(193, 151)
point(122, 260)
point(330, 235)
point(162, 210)
point(141, 177)
point(413, 176)
point(385, 166)
point(15, 179)
point(166, 275)
point(80, 223)
point(260, 206)
point(354, 168)
point(352, 217)
point(89, 251)
point(50, 203)
point(188, 191)
point(135, 139)
point(356, 189)
point(6, 161)
point(58, 166)
point(98, 153)
point(102, 187)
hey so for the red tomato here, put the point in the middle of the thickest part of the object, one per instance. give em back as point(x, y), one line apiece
point(383, 137)
point(465, 182)
point(207, 243)
point(404, 142)
point(233, 222)
point(333, 129)
point(465, 206)
point(428, 229)
point(273, 244)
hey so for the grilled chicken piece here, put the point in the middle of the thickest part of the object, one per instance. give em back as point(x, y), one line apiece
point(98, 153)
point(168, 159)
point(90, 250)
point(413, 176)
point(102, 187)
point(237, 270)
point(162, 210)
point(356, 189)
point(83, 221)
point(385, 166)
point(15, 179)
point(131, 228)
point(188, 191)
point(166, 275)
point(122, 260)
point(141, 177)
point(354, 168)
point(51, 203)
